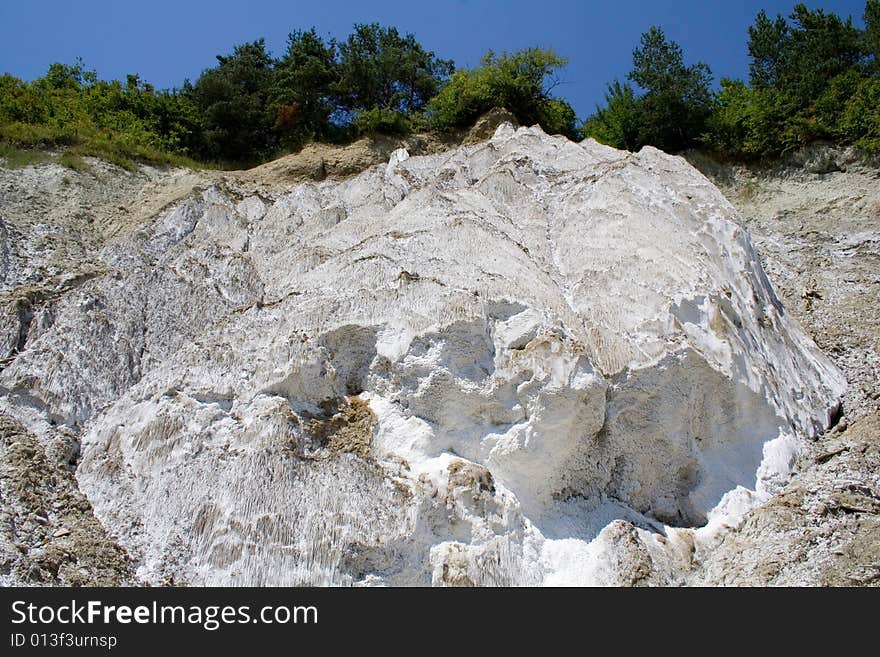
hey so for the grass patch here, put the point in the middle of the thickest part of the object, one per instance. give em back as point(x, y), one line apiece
point(14, 157)
point(75, 161)
point(119, 151)
point(127, 153)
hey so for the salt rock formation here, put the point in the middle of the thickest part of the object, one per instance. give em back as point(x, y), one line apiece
point(519, 362)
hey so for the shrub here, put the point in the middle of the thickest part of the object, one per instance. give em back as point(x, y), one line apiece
point(619, 123)
point(860, 119)
point(13, 157)
point(31, 135)
point(749, 124)
point(520, 83)
point(382, 121)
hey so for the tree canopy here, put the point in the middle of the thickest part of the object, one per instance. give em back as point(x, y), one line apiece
point(233, 101)
point(799, 57)
point(302, 90)
point(672, 108)
point(380, 69)
point(813, 75)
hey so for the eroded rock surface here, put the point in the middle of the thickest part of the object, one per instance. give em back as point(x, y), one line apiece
point(816, 221)
point(523, 361)
point(822, 529)
point(48, 532)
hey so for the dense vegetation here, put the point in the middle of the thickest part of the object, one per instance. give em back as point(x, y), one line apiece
point(251, 106)
point(70, 107)
point(812, 76)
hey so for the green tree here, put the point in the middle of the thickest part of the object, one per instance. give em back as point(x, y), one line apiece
point(303, 86)
point(822, 47)
point(807, 78)
point(848, 111)
point(233, 100)
point(677, 99)
point(767, 45)
point(872, 34)
point(71, 77)
point(382, 72)
point(801, 58)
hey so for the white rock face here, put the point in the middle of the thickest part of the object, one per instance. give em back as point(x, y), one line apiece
point(464, 369)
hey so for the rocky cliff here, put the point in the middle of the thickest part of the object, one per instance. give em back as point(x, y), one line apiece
point(815, 219)
point(521, 361)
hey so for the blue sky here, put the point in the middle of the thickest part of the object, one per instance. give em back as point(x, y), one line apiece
point(166, 41)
